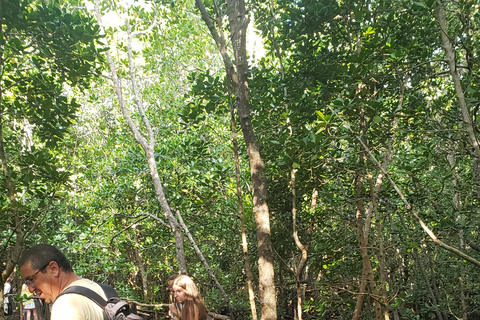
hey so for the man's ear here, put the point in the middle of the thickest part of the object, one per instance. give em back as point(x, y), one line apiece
point(54, 268)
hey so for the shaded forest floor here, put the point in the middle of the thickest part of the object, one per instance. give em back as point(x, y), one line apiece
point(14, 316)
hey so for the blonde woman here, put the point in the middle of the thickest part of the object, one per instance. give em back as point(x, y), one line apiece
point(190, 304)
point(29, 305)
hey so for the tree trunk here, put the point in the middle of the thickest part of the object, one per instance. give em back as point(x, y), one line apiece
point(147, 146)
point(463, 300)
point(458, 205)
point(243, 229)
point(238, 24)
point(367, 271)
point(359, 224)
point(450, 56)
point(433, 297)
point(476, 175)
point(4, 274)
point(433, 278)
point(237, 75)
point(303, 250)
point(372, 209)
point(140, 264)
point(382, 269)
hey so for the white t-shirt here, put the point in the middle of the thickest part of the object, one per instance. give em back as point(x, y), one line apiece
point(72, 306)
point(6, 290)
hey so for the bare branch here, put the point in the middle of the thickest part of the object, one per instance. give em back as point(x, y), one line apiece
point(149, 29)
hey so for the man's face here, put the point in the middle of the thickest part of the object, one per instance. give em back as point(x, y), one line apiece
point(39, 281)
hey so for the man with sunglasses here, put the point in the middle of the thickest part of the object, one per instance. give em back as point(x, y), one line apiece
point(47, 272)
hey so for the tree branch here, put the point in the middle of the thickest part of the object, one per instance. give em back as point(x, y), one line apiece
point(407, 204)
point(219, 41)
point(149, 29)
point(133, 81)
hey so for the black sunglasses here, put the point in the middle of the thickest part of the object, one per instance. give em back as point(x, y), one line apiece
point(31, 279)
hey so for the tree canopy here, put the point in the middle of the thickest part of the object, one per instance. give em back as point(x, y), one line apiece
point(364, 115)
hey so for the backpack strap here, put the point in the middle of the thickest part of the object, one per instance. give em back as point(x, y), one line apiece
point(112, 296)
point(92, 295)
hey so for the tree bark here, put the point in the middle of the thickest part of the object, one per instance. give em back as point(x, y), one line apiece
point(367, 271)
point(303, 250)
point(237, 75)
point(450, 56)
point(372, 209)
point(238, 24)
point(433, 297)
point(140, 264)
point(243, 229)
point(382, 268)
point(458, 205)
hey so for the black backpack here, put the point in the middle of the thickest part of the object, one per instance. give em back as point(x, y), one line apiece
point(114, 308)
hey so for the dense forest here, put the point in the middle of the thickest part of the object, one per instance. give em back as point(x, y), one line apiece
point(300, 159)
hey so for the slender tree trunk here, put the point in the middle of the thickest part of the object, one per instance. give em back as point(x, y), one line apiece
point(367, 271)
point(359, 223)
point(147, 145)
point(303, 250)
point(238, 24)
point(382, 269)
point(396, 315)
point(372, 209)
point(458, 205)
point(140, 264)
point(432, 295)
point(450, 56)
point(243, 229)
point(476, 174)
point(463, 299)
point(433, 281)
point(3, 275)
point(237, 75)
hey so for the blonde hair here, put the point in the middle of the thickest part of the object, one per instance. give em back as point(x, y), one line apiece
point(194, 306)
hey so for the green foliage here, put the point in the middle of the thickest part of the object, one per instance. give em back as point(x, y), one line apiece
point(340, 59)
point(46, 53)
point(344, 64)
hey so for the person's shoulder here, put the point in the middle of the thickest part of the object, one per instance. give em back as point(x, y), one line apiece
point(83, 283)
point(92, 285)
point(76, 306)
